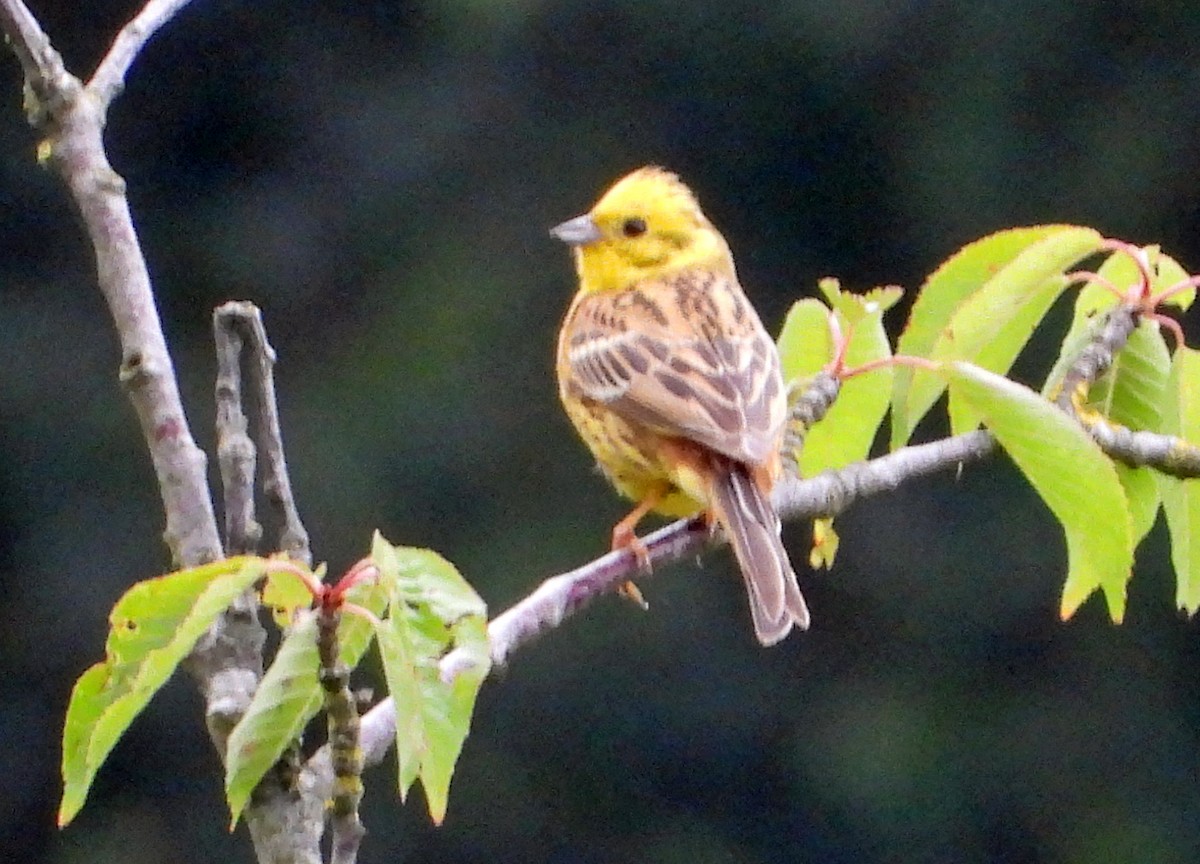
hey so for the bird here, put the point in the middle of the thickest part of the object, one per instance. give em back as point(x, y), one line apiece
point(668, 375)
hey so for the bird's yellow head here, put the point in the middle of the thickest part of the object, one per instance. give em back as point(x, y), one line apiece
point(647, 225)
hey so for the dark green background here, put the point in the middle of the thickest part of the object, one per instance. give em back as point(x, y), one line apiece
point(379, 177)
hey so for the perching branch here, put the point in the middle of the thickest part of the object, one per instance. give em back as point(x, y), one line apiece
point(560, 596)
point(825, 495)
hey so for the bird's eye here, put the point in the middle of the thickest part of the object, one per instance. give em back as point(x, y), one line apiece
point(634, 227)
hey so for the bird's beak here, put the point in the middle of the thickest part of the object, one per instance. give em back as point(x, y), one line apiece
point(579, 231)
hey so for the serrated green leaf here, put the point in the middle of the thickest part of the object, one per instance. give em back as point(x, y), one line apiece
point(846, 433)
point(356, 632)
point(1068, 470)
point(281, 706)
point(401, 669)
point(1141, 491)
point(1181, 498)
point(982, 305)
point(290, 694)
point(854, 307)
point(805, 344)
point(1169, 274)
point(154, 626)
point(432, 610)
point(849, 306)
point(447, 724)
point(883, 297)
point(1131, 392)
point(806, 347)
point(425, 577)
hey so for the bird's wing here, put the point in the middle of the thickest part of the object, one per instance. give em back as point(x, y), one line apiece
point(685, 356)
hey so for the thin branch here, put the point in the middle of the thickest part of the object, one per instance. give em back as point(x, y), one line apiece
point(1167, 454)
point(277, 484)
point(46, 79)
point(341, 710)
point(827, 494)
point(72, 124)
point(109, 78)
point(832, 492)
point(234, 325)
point(1096, 357)
point(236, 453)
point(559, 596)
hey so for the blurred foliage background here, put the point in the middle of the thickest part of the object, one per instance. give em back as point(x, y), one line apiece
point(379, 177)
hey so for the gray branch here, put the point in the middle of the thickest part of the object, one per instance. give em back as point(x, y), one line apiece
point(236, 454)
point(236, 324)
point(109, 77)
point(227, 661)
point(1167, 454)
point(560, 596)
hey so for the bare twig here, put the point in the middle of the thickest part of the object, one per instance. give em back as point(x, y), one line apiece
point(234, 325)
point(1166, 454)
point(109, 78)
point(277, 484)
point(47, 82)
point(236, 453)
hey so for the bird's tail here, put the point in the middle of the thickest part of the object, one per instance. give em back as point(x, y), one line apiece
point(744, 511)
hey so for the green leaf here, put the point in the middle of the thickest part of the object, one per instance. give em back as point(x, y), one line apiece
point(425, 578)
point(1131, 392)
point(1068, 470)
point(806, 347)
point(982, 305)
point(282, 705)
point(1169, 274)
point(852, 307)
point(846, 433)
point(1141, 491)
point(1181, 498)
point(448, 722)
point(805, 344)
point(432, 610)
point(290, 694)
point(284, 594)
point(154, 626)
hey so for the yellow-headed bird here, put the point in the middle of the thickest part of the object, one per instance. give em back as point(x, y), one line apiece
point(671, 380)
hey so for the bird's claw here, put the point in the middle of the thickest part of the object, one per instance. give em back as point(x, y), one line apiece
point(624, 538)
